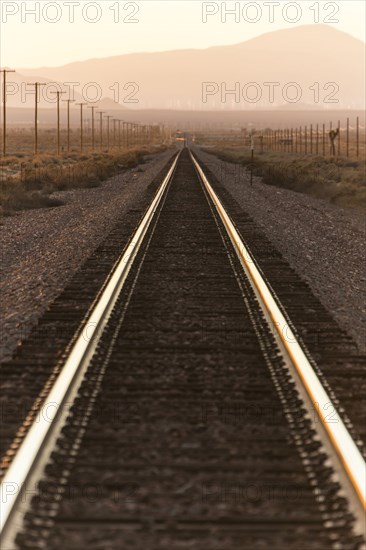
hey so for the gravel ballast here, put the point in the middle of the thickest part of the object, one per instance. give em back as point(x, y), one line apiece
point(325, 244)
point(43, 248)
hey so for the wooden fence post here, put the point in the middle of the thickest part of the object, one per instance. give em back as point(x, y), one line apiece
point(306, 140)
point(317, 140)
point(300, 138)
point(311, 139)
point(330, 145)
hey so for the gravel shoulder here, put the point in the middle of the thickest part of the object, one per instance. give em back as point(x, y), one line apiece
point(325, 244)
point(42, 249)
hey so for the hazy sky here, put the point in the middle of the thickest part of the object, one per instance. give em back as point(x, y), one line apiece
point(66, 32)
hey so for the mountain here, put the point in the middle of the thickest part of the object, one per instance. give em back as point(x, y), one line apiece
point(304, 55)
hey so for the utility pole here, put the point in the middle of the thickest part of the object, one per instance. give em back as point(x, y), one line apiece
point(93, 107)
point(101, 113)
point(58, 93)
point(68, 122)
point(5, 71)
point(108, 117)
point(36, 85)
point(81, 125)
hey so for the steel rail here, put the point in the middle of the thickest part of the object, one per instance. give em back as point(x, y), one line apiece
point(16, 479)
point(345, 447)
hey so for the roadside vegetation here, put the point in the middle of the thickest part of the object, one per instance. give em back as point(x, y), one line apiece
point(339, 180)
point(30, 181)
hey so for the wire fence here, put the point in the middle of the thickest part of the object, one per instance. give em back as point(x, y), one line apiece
point(348, 140)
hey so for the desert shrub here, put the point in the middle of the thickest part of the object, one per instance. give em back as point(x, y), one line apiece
point(30, 184)
point(338, 180)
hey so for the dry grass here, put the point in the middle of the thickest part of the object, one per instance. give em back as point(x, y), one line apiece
point(30, 181)
point(20, 141)
point(340, 180)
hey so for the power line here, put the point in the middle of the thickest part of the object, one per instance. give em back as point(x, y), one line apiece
point(101, 113)
point(36, 88)
point(68, 101)
point(93, 107)
point(58, 93)
point(108, 117)
point(81, 125)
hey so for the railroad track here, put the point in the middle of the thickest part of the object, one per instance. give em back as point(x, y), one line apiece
point(185, 412)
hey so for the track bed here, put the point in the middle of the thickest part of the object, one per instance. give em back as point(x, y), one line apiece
point(188, 431)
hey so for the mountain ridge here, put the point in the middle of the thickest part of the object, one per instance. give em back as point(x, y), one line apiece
point(321, 26)
point(175, 79)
